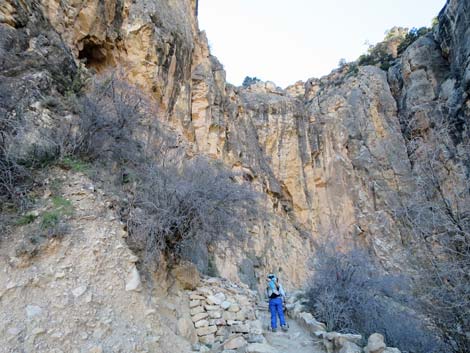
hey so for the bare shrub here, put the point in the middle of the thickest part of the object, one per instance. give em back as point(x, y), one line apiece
point(437, 217)
point(180, 211)
point(111, 116)
point(350, 293)
point(13, 175)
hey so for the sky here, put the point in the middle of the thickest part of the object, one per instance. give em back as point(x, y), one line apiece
point(287, 41)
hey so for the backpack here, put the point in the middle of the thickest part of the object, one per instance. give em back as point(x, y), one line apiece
point(272, 290)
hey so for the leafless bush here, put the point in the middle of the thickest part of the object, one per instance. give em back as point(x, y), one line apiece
point(112, 114)
point(437, 217)
point(180, 211)
point(13, 175)
point(349, 292)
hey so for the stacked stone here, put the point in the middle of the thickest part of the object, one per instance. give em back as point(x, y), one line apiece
point(224, 313)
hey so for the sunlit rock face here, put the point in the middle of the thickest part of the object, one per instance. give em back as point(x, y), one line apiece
point(331, 154)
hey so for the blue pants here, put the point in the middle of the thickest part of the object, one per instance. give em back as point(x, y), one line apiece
point(275, 307)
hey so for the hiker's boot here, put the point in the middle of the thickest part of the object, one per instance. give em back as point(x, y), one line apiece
point(284, 328)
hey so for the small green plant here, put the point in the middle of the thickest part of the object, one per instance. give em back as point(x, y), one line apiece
point(62, 205)
point(50, 219)
point(26, 219)
point(74, 164)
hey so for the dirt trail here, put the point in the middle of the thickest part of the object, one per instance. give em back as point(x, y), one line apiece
point(295, 340)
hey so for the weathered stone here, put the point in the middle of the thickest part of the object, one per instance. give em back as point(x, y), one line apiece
point(201, 323)
point(80, 290)
point(133, 280)
point(197, 310)
point(235, 342)
point(233, 322)
point(375, 344)
point(211, 307)
point(215, 314)
point(217, 322)
point(203, 331)
point(199, 316)
point(240, 328)
point(207, 339)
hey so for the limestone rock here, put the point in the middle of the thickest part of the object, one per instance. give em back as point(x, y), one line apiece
point(201, 323)
point(133, 280)
point(197, 310)
point(375, 344)
point(308, 321)
point(235, 342)
point(204, 331)
point(207, 339)
point(199, 316)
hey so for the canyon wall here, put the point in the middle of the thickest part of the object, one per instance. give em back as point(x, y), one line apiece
point(331, 154)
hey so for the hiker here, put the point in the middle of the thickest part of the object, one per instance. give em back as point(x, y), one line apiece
point(276, 295)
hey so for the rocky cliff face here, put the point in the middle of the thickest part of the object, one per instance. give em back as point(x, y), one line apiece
point(333, 155)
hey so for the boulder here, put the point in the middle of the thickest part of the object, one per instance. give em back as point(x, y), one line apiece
point(309, 323)
point(375, 344)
